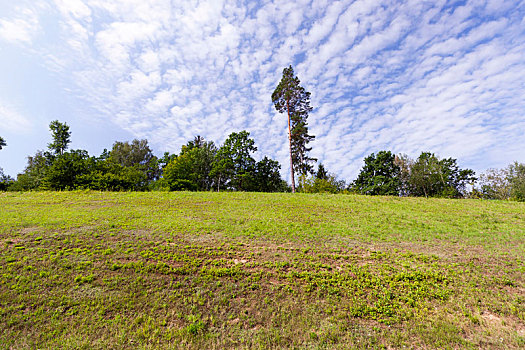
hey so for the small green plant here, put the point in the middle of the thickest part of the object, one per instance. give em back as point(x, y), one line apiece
point(84, 279)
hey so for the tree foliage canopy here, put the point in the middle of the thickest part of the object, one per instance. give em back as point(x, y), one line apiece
point(379, 175)
point(517, 181)
point(61, 137)
point(191, 169)
point(136, 154)
point(234, 164)
point(322, 182)
point(432, 177)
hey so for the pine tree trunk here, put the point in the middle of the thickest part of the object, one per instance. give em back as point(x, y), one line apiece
point(290, 144)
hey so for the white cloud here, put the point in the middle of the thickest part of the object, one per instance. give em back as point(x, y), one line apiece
point(75, 8)
point(12, 120)
point(409, 76)
point(20, 29)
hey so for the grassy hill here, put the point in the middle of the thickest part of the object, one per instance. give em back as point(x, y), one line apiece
point(248, 270)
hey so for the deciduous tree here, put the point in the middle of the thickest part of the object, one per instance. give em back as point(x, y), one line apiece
point(322, 182)
point(268, 176)
point(234, 165)
point(517, 181)
point(61, 137)
point(136, 154)
point(432, 177)
point(494, 184)
point(63, 174)
point(34, 173)
point(191, 169)
point(379, 175)
point(5, 180)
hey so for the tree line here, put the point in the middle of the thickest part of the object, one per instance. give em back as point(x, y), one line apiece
point(203, 166)
point(132, 166)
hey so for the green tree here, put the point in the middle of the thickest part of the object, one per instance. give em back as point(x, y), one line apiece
point(432, 177)
point(313, 184)
point(166, 159)
point(2, 143)
point(517, 181)
point(267, 176)
point(191, 169)
point(129, 154)
point(379, 175)
point(64, 172)
point(404, 163)
point(426, 176)
point(61, 137)
point(136, 154)
point(321, 172)
point(34, 173)
point(5, 180)
point(494, 184)
point(292, 98)
point(322, 182)
point(107, 175)
point(456, 179)
point(197, 142)
point(234, 166)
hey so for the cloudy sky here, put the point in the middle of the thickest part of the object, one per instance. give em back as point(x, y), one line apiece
point(406, 76)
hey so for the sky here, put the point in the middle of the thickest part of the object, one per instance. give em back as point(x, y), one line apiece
point(446, 77)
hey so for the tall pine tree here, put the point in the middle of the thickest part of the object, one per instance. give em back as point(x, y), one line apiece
point(292, 98)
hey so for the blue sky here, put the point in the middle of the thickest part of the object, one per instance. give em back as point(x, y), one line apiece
point(406, 76)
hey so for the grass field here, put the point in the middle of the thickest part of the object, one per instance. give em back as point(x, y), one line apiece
point(245, 270)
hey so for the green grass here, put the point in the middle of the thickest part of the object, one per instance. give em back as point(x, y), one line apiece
point(247, 270)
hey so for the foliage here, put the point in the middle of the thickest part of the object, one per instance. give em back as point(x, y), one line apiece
point(426, 176)
point(267, 176)
point(191, 169)
point(64, 172)
point(516, 176)
point(290, 97)
point(197, 142)
point(2, 143)
point(432, 177)
point(404, 163)
point(494, 184)
point(61, 137)
point(107, 175)
point(128, 154)
point(503, 184)
point(136, 154)
point(330, 184)
point(323, 182)
point(166, 159)
point(5, 180)
point(132, 166)
point(234, 166)
point(77, 170)
point(321, 172)
point(379, 176)
point(34, 173)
